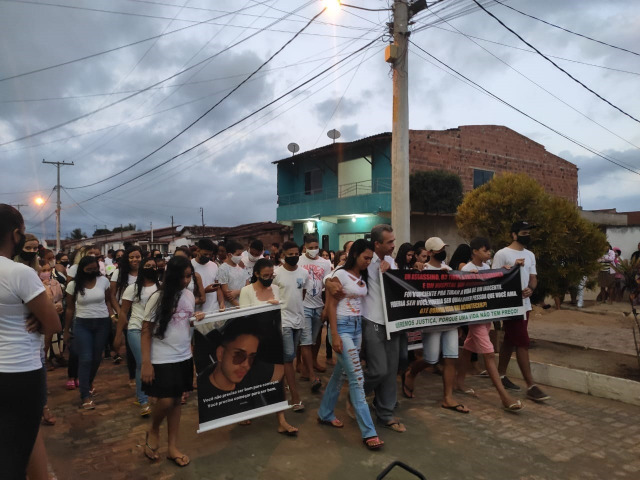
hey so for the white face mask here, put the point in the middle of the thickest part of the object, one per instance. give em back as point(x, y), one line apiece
point(236, 259)
point(313, 253)
point(253, 259)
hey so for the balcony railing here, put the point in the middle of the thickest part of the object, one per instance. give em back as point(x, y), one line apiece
point(366, 187)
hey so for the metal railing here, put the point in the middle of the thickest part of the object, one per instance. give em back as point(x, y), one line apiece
point(365, 187)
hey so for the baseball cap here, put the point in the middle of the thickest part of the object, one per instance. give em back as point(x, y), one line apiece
point(434, 244)
point(521, 225)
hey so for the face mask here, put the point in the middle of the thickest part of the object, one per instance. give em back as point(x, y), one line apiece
point(440, 256)
point(203, 260)
point(149, 274)
point(28, 256)
point(64, 264)
point(18, 248)
point(253, 259)
point(313, 253)
point(52, 263)
point(524, 239)
point(236, 259)
point(292, 261)
point(266, 283)
point(45, 276)
point(92, 274)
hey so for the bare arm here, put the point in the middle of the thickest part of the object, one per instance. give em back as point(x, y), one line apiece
point(45, 314)
point(533, 283)
point(331, 308)
point(198, 290)
point(123, 320)
point(112, 299)
point(145, 344)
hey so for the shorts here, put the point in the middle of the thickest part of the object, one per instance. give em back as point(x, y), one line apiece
point(606, 279)
point(290, 342)
point(306, 335)
point(171, 380)
point(515, 331)
point(315, 315)
point(435, 342)
point(477, 340)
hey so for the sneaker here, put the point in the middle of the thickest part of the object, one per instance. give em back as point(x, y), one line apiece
point(117, 359)
point(534, 393)
point(137, 403)
point(145, 410)
point(70, 385)
point(509, 385)
point(89, 405)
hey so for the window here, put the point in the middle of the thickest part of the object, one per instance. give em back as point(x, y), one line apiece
point(313, 181)
point(480, 177)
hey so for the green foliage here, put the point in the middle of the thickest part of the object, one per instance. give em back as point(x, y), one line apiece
point(567, 247)
point(77, 234)
point(101, 231)
point(435, 191)
point(628, 268)
point(125, 228)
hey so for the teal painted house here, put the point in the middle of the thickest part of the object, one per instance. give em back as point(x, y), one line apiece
point(339, 191)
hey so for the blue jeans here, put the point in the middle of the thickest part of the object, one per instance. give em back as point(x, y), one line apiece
point(133, 336)
point(89, 338)
point(290, 342)
point(314, 316)
point(350, 332)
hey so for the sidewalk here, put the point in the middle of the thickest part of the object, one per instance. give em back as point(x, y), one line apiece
point(569, 437)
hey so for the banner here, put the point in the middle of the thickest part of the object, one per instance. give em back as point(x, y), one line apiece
point(239, 366)
point(436, 298)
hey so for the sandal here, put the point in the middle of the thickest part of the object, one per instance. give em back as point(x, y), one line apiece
point(335, 423)
point(182, 459)
point(373, 443)
point(297, 407)
point(467, 391)
point(457, 408)
point(47, 417)
point(154, 451)
point(406, 389)
point(289, 432)
point(90, 405)
point(514, 407)
point(245, 422)
point(396, 426)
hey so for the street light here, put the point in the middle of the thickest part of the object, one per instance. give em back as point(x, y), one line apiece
point(39, 201)
point(331, 5)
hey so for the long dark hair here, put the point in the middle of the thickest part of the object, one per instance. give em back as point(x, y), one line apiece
point(259, 265)
point(170, 292)
point(462, 254)
point(140, 280)
point(124, 267)
point(401, 257)
point(358, 247)
point(82, 278)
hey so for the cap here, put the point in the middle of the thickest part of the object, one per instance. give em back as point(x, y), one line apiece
point(617, 249)
point(434, 244)
point(521, 225)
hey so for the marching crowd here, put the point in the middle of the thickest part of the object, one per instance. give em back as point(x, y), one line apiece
point(71, 310)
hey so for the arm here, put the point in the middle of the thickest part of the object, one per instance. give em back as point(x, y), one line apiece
point(533, 283)
point(145, 344)
point(123, 320)
point(107, 298)
point(331, 308)
point(112, 301)
point(69, 314)
point(198, 290)
point(41, 307)
point(221, 299)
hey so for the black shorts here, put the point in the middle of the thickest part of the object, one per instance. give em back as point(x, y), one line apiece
point(171, 380)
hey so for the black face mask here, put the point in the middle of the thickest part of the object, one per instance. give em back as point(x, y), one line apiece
point(18, 248)
point(266, 283)
point(524, 239)
point(203, 260)
point(160, 272)
point(158, 257)
point(28, 256)
point(92, 274)
point(440, 256)
point(150, 274)
point(64, 264)
point(292, 261)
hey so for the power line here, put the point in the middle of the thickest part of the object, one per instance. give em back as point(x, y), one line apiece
point(287, 43)
point(586, 147)
point(567, 30)
point(555, 64)
point(76, 204)
point(367, 9)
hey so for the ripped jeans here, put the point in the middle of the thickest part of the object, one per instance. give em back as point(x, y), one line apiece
point(348, 362)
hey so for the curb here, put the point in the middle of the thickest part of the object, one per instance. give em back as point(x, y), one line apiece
point(595, 384)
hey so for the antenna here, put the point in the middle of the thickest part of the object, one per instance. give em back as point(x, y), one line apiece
point(333, 134)
point(293, 148)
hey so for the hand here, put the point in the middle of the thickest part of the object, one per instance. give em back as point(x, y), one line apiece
point(336, 343)
point(241, 264)
point(229, 295)
point(475, 270)
point(146, 373)
point(334, 288)
point(384, 266)
point(273, 301)
point(212, 288)
point(418, 266)
point(33, 325)
point(527, 292)
point(199, 316)
point(520, 262)
point(59, 308)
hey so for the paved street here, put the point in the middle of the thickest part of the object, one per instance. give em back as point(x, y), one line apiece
point(572, 436)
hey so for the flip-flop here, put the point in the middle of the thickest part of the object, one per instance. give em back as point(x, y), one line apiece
point(406, 389)
point(154, 450)
point(289, 433)
point(483, 374)
point(335, 423)
point(456, 408)
point(468, 391)
point(182, 458)
point(372, 444)
point(298, 407)
point(395, 426)
point(514, 407)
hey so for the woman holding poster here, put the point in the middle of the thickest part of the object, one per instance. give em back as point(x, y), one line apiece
point(345, 326)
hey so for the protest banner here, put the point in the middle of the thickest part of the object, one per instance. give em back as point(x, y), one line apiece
point(239, 365)
point(437, 298)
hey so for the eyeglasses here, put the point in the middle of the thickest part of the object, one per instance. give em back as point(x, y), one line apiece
point(240, 356)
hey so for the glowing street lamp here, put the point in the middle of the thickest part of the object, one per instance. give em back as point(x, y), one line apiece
point(39, 201)
point(331, 5)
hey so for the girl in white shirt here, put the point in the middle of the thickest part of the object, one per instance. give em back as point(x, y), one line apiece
point(345, 325)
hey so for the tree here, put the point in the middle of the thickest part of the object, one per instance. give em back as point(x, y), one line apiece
point(77, 234)
point(125, 228)
point(101, 231)
point(435, 191)
point(567, 247)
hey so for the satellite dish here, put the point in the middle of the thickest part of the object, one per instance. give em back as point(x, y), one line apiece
point(293, 148)
point(333, 134)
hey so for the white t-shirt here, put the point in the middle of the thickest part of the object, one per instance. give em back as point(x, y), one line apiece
point(137, 306)
point(209, 275)
point(444, 266)
point(92, 304)
point(114, 278)
point(373, 306)
point(248, 263)
point(355, 290)
point(508, 256)
point(176, 345)
point(234, 277)
point(470, 267)
point(318, 269)
point(248, 297)
point(19, 349)
point(72, 270)
point(291, 285)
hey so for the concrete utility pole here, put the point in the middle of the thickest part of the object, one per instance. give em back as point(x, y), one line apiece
point(58, 165)
point(18, 205)
point(151, 223)
point(202, 217)
point(397, 55)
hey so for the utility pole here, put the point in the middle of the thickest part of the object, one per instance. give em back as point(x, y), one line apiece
point(397, 54)
point(202, 217)
point(172, 230)
point(58, 209)
point(151, 223)
point(18, 205)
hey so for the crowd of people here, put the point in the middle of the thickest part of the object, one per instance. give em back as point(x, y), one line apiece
point(72, 309)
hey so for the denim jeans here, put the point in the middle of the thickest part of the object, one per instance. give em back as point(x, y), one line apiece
point(133, 336)
point(313, 316)
point(290, 342)
point(89, 337)
point(350, 332)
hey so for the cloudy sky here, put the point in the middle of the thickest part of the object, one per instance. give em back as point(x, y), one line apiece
point(108, 111)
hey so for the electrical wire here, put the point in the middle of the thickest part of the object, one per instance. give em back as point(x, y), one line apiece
point(76, 204)
point(555, 64)
point(567, 30)
point(364, 8)
point(586, 147)
point(44, 204)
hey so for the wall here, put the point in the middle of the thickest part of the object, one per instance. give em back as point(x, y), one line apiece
point(334, 230)
point(443, 226)
point(495, 148)
point(627, 238)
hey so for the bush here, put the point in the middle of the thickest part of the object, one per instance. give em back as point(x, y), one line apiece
point(435, 191)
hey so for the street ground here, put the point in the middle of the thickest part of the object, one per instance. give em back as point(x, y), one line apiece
point(570, 436)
